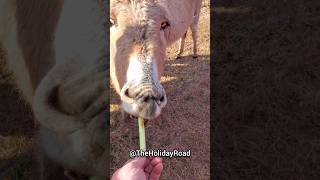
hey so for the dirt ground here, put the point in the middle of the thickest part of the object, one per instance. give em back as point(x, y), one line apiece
point(184, 123)
point(266, 89)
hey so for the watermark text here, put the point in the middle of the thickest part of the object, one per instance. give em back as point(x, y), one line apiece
point(159, 153)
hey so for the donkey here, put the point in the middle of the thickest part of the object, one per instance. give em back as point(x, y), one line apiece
point(140, 32)
point(57, 52)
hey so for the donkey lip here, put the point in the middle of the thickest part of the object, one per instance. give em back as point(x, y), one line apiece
point(136, 118)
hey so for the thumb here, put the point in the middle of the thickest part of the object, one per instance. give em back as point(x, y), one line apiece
point(139, 162)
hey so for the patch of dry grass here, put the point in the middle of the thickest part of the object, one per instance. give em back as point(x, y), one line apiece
point(11, 146)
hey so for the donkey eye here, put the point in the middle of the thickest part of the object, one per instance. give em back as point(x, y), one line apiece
point(164, 25)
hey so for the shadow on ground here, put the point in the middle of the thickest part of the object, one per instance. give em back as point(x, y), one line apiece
point(266, 90)
point(16, 130)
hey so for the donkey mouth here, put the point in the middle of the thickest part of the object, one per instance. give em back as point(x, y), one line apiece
point(145, 111)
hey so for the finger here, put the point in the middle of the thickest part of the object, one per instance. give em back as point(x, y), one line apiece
point(130, 160)
point(156, 172)
point(147, 175)
point(138, 162)
point(153, 162)
point(147, 162)
point(148, 168)
point(156, 161)
point(151, 157)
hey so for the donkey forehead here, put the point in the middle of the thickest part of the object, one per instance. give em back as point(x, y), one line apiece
point(143, 13)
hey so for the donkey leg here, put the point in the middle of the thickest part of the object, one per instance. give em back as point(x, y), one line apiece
point(194, 31)
point(182, 41)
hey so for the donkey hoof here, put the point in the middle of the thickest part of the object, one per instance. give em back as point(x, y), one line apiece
point(178, 57)
point(195, 56)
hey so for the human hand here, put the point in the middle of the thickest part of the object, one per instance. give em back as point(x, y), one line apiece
point(140, 169)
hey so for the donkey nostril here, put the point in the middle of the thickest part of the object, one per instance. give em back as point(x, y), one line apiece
point(146, 99)
point(126, 92)
point(161, 98)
